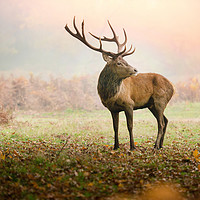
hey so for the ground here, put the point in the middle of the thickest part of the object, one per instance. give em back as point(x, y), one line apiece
point(69, 155)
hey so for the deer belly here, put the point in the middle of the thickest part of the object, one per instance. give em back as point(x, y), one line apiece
point(143, 104)
point(116, 104)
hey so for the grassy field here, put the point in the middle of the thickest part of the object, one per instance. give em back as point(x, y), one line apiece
point(69, 155)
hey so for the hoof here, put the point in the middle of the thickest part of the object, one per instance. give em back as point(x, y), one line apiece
point(156, 147)
point(115, 148)
point(132, 148)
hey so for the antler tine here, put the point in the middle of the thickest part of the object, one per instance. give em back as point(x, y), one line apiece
point(128, 52)
point(69, 31)
point(83, 31)
point(129, 48)
point(122, 52)
point(74, 23)
point(125, 41)
point(115, 37)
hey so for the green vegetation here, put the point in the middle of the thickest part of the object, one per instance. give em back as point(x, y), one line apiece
point(69, 155)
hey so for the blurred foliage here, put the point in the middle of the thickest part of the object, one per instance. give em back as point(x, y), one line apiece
point(188, 90)
point(56, 93)
point(34, 93)
point(6, 115)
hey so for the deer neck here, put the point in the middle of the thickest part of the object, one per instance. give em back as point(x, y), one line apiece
point(108, 84)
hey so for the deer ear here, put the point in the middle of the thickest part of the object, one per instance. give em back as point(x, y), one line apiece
point(107, 58)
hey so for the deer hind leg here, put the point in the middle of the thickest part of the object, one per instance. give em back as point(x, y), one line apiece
point(157, 111)
point(164, 131)
point(115, 117)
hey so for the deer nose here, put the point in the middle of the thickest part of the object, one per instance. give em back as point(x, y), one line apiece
point(135, 70)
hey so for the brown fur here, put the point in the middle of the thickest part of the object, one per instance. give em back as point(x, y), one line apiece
point(145, 90)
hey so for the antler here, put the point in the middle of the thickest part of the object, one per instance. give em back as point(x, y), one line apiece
point(116, 40)
point(82, 38)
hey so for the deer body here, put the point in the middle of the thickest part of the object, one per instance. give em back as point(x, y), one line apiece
point(120, 89)
point(140, 91)
point(145, 90)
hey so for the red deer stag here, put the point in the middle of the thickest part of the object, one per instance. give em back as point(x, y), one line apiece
point(120, 89)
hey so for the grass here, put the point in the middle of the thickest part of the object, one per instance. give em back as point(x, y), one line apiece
point(69, 155)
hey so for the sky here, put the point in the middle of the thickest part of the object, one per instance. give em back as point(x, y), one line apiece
point(165, 33)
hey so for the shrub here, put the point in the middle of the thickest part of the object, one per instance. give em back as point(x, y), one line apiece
point(6, 116)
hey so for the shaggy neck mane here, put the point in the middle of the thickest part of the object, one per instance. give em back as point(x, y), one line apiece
point(108, 84)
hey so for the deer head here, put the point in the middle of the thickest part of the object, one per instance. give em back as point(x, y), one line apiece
point(115, 61)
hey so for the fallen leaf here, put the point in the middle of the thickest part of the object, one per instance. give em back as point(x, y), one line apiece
point(2, 156)
point(196, 153)
point(90, 184)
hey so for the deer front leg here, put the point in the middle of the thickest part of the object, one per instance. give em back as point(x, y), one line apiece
point(129, 119)
point(115, 117)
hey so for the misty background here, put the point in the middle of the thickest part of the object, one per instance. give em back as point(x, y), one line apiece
point(166, 35)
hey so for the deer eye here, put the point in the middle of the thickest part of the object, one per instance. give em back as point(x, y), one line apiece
point(118, 63)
